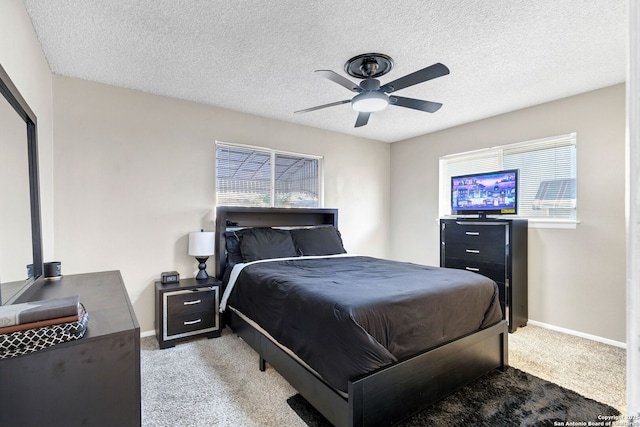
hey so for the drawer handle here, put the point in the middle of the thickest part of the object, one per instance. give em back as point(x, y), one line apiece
point(472, 251)
point(472, 269)
point(197, 301)
point(192, 322)
point(472, 233)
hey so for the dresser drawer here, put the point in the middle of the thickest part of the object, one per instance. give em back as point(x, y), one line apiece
point(190, 322)
point(475, 251)
point(495, 272)
point(202, 299)
point(487, 234)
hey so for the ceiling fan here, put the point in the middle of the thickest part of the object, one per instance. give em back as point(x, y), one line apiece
point(371, 96)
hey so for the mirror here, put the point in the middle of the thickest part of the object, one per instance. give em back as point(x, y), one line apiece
point(20, 236)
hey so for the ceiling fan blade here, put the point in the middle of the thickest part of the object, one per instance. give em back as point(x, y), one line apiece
point(319, 107)
point(363, 119)
point(431, 72)
point(416, 104)
point(342, 81)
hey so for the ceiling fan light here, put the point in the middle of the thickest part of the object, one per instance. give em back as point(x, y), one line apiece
point(370, 102)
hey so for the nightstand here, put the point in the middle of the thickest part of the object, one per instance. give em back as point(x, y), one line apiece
point(187, 309)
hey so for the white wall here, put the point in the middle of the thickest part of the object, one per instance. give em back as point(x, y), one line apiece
point(576, 277)
point(135, 174)
point(22, 58)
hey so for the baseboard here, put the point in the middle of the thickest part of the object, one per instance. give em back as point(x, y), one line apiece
point(578, 334)
point(152, 333)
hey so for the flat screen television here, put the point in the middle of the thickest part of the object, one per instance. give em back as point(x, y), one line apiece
point(487, 193)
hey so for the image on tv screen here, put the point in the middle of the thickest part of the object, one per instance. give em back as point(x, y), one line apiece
point(494, 191)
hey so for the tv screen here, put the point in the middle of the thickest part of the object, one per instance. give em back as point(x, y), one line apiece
point(488, 193)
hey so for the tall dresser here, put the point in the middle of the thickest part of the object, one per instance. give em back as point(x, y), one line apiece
point(496, 248)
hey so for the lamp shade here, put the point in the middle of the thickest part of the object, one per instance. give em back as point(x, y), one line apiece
point(201, 243)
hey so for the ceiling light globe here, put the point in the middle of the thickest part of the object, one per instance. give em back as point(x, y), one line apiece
point(369, 102)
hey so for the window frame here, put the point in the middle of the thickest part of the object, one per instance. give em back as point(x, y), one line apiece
point(273, 153)
point(534, 222)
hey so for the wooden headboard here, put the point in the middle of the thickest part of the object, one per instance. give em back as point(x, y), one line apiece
point(230, 217)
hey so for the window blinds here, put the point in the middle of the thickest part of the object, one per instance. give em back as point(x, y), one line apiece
point(547, 177)
point(253, 176)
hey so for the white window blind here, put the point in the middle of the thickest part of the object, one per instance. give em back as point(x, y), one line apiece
point(254, 176)
point(547, 175)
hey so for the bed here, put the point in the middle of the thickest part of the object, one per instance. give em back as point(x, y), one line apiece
point(356, 375)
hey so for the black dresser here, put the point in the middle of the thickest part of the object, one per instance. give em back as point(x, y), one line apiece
point(94, 381)
point(496, 248)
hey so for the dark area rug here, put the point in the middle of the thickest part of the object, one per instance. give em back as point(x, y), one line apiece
point(510, 398)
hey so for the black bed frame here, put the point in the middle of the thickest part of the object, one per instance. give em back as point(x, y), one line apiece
point(385, 396)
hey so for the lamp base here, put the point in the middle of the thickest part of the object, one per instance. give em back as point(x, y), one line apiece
point(202, 274)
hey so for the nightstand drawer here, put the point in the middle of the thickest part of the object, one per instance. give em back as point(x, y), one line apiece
point(201, 299)
point(190, 322)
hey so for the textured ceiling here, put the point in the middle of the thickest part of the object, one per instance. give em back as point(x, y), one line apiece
point(258, 56)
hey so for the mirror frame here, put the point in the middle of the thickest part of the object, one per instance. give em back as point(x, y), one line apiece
point(10, 92)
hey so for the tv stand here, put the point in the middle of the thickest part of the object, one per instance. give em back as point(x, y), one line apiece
point(91, 381)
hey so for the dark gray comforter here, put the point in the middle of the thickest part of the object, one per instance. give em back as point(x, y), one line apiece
point(347, 316)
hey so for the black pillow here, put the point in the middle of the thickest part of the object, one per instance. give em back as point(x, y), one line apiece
point(232, 242)
point(318, 241)
point(266, 243)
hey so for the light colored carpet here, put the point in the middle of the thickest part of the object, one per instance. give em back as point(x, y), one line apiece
point(211, 382)
point(590, 368)
point(216, 382)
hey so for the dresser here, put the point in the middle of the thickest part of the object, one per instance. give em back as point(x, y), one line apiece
point(93, 381)
point(495, 248)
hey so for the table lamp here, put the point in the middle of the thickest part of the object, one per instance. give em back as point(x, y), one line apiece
point(201, 246)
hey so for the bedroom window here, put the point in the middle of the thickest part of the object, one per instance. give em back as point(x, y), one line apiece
point(547, 178)
point(261, 177)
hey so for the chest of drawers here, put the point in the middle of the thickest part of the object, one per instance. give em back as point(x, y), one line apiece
point(495, 248)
